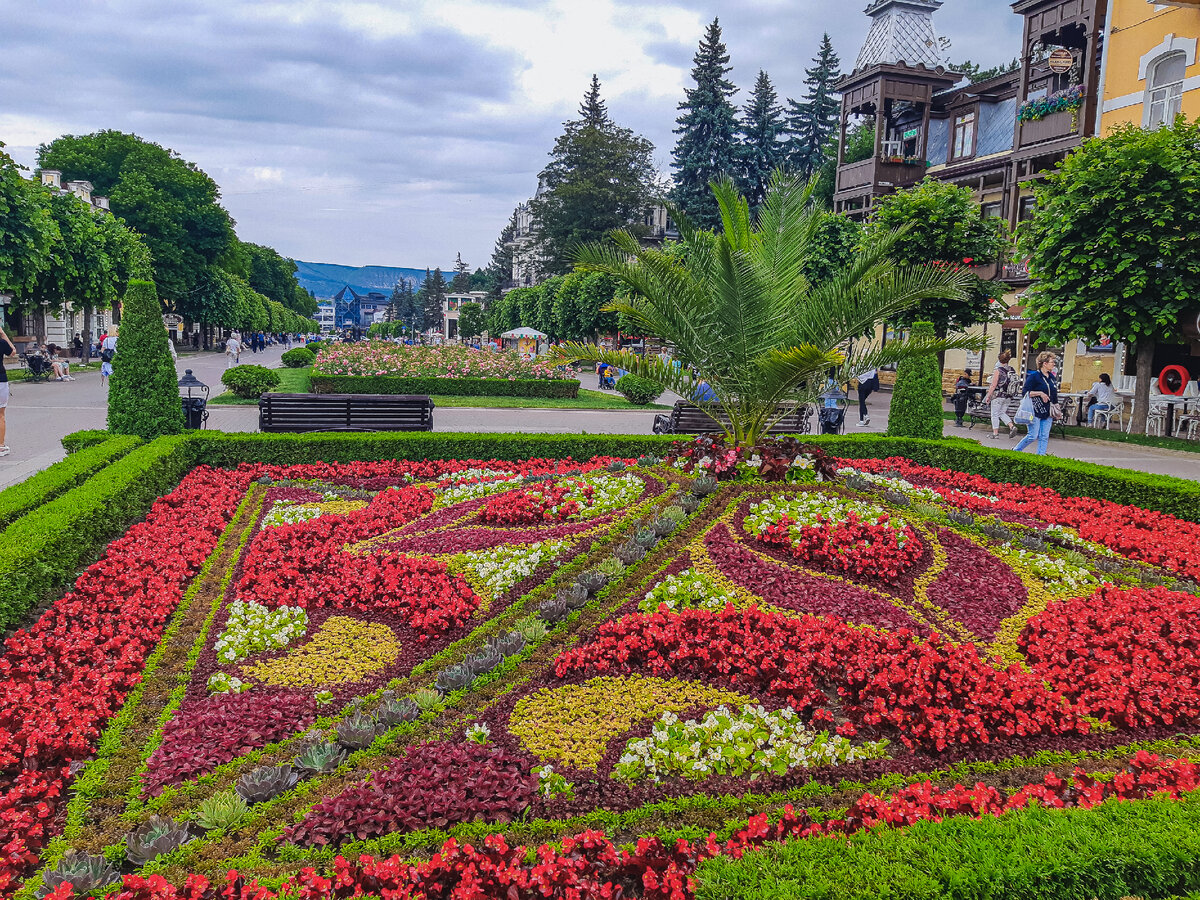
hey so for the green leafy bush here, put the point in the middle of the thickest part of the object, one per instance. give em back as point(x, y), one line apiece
point(143, 396)
point(1144, 848)
point(43, 487)
point(917, 398)
point(81, 440)
point(455, 387)
point(298, 358)
point(249, 381)
point(638, 391)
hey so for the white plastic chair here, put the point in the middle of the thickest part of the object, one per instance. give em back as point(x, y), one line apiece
point(1192, 389)
point(1118, 410)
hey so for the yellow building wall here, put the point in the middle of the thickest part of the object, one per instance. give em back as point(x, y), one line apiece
point(1140, 33)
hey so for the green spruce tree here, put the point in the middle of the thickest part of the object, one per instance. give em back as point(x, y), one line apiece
point(461, 282)
point(707, 146)
point(143, 396)
point(499, 269)
point(433, 300)
point(813, 123)
point(762, 150)
point(600, 177)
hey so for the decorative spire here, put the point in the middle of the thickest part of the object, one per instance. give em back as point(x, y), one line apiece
point(901, 31)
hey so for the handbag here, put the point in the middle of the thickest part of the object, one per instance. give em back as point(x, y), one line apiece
point(1041, 409)
point(1024, 414)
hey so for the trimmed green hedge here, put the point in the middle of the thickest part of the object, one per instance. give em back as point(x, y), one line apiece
point(62, 476)
point(452, 387)
point(79, 440)
point(42, 551)
point(1147, 848)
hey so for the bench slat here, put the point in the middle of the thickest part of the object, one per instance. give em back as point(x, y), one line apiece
point(345, 412)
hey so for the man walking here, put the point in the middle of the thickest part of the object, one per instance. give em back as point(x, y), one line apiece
point(6, 349)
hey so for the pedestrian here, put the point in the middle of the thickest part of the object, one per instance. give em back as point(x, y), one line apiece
point(601, 369)
point(77, 346)
point(108, 350)
point(868, 383)
point(6, 349)
point(999, 392)
point(961, 396)
point(1103, 396)
point(1041, 390)
point(233, 349)
point(195, 340)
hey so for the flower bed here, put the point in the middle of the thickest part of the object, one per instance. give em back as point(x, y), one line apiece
point(379, 655)
point(385, 368)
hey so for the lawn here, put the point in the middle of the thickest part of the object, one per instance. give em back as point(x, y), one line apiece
point(298, 381)
point(433, 667)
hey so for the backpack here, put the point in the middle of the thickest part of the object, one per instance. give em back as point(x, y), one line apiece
point(107, 355)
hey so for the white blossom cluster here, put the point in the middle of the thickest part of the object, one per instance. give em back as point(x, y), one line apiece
point(609, 492)
point(687, 590)
point(1054, 572)
point(252, 628)
point(221, 683)
point(1072, 537)
point(750, 741)
point(806, 510)
point(284, 512)
point(901, 485)
point(494, 483)
point(502, 567)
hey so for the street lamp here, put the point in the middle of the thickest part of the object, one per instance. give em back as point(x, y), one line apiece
point(194, 404)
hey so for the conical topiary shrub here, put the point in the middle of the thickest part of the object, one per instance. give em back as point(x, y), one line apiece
point(143, 393)
point(917, 400)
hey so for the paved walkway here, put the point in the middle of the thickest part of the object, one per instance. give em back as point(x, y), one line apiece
point(40, 414)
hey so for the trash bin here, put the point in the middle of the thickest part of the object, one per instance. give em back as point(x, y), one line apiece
point(194, 412)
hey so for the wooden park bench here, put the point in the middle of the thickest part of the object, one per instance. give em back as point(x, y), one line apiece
point(344, 412)
point(687, 418)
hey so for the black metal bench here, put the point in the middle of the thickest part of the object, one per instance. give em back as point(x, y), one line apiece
point(344, 412)
point(687, 418)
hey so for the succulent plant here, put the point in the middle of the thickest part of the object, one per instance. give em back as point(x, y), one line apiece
point(153, 838)
point(574, 473)
point(320, 758)
point(961, 517)
point(1186, 587)
point(592, 580)
point(534, 479)
point(1104, 564)
point(662, 526)
point(927, 511)
point(454, 678)
point(483, 661)
point(395, 712)
point(426, 699)
point(83, 871)
point(629, 553)
point(648, 461)
point(1032, 542)
point(223, 810)
point(1152, 579)
point(645, 537)
point(674, 513)
point(575, 596)
point(553, 610)
point(997, 532)
point(532, 629)
point(856, 482)
point(612, 567)
point(896, 498)
point(704, 485)
point(689, 504)
point(1075, 558)
point(508, 644)
point(616, 466)
point(266, 479)
point(266, 782)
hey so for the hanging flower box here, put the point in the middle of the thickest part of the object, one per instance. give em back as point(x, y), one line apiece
point(1069, 100)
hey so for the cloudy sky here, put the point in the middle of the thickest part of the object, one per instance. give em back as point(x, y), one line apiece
point(403, 131)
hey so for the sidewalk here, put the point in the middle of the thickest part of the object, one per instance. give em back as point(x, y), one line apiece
point(39, 415)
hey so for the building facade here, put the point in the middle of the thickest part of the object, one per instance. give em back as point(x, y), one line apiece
point(450, 309)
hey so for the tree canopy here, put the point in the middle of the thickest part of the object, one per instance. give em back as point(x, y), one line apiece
point(762, 148)
point(737, 306)
point(944, 228)
point(813, 122)
point(1113, 243)
point(600, 177)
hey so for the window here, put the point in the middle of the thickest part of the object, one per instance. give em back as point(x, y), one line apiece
point(964, 136)
point(1025, 211)
point(992, 211)
point(1165, 90)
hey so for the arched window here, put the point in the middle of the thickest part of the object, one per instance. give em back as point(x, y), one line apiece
point(1164, 89)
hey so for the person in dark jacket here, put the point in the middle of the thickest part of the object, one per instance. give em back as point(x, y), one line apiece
point(1041, 386)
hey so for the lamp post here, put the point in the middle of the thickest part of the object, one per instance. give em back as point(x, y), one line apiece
point(194, 401)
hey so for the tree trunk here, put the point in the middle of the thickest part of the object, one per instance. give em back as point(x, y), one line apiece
point(40, 328)
point(1141, 396)
point(87, 334)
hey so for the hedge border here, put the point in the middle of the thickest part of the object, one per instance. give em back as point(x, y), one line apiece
point(567, 388)
point(41, 552)
point(47, 484)
point(1145, 848)
point(81, 440)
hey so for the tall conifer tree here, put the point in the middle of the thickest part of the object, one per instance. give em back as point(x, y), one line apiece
point(813, 123)
point(462, 276)
point(762, 150)
point(707, 145)
point(433, 297)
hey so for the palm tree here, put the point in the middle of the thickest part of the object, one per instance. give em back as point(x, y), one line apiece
point(738, 308)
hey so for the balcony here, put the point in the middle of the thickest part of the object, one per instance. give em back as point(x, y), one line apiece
point(870, 175)
point(1053, 127)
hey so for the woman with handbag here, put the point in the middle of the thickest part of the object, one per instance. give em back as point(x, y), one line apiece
point(1041, 392)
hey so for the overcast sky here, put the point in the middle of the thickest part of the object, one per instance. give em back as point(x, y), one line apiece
point(398, 132)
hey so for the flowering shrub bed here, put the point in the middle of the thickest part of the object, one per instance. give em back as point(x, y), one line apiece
point(472, 648)
point(380, 358)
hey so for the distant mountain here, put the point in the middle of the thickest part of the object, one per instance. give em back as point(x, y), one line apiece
point(326, 279)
